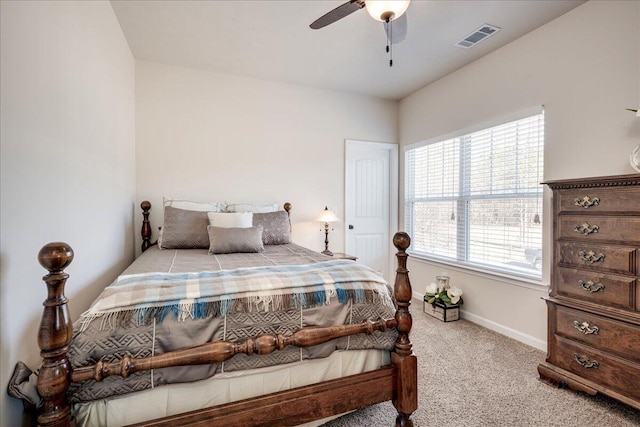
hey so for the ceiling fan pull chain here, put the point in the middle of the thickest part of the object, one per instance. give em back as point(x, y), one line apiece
point(386, 28)
point(390, 42)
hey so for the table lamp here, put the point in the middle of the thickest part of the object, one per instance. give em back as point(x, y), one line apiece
point(327, 216)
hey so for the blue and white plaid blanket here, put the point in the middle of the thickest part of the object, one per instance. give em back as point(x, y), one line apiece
point(144, 297)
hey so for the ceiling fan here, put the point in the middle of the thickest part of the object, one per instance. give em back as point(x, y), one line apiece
point(390, 12)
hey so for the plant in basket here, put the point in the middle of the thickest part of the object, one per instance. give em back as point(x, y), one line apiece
point(446, 296)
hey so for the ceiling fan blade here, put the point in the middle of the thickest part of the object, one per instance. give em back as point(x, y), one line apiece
point(398, 29)
point(338, 13)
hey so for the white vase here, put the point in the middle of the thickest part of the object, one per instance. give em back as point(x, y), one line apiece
point(634, 158)
point(443, 283)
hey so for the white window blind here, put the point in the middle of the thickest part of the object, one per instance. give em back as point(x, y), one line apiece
point(477, 199)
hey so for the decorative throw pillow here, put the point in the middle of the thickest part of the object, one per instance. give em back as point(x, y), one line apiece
point(189, 206)
point(228, 240)
point(230, 219)
point(184, 229)
point(250, 207)
point(276, 227)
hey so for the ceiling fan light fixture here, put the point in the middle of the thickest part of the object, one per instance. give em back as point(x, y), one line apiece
point(386, 10)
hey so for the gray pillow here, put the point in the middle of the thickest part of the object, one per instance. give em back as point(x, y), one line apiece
point(276, 227)
point(184, 229)
point(229, 240)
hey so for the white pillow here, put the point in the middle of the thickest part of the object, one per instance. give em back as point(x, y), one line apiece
point(231, 219)
point(250, 207)
point(189, 205)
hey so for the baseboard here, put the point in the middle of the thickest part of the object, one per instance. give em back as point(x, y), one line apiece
point(501, 329)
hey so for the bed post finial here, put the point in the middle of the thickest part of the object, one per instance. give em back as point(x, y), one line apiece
point(406, 398)
point(54, 337)
point(146, 225)
point(287, 207)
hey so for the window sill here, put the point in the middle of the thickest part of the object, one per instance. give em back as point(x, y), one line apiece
point(511, 279)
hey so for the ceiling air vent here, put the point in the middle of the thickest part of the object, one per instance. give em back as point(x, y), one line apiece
point(477, 36)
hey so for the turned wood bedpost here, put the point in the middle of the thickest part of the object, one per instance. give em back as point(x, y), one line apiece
point(402, 357)
point(287, 208)
point(54, 337)
point(146, 225)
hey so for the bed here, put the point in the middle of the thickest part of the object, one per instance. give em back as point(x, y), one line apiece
point(220, 329)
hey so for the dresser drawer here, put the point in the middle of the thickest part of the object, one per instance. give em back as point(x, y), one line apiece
point(611, 336)
point(603, 289)
point(623, 200)
point(624, 230)
point(611, 371)
point(606, 258)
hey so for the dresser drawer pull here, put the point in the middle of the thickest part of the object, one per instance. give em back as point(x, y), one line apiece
point(586, 202)
point(586, 229)
point(591, 286)
point(591, 257)
point(586, 362)
point(586, 328)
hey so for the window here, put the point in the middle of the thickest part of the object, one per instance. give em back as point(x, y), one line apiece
point(476, 200)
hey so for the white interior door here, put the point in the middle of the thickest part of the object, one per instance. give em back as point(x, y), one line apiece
point(371, 207)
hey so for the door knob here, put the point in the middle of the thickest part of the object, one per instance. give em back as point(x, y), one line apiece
point(351, 227)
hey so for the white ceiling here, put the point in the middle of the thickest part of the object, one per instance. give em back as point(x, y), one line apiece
point(271, 39)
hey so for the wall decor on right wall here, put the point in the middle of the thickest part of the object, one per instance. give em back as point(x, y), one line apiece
point(634, 157)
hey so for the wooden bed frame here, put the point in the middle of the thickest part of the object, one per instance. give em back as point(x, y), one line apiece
point(396, 382)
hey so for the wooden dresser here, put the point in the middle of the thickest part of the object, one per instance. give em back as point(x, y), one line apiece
point(594, 304)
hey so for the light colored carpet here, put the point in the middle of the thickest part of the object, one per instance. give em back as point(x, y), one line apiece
point(471, 376)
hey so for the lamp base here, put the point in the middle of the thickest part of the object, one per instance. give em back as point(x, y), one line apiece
point(327, 252)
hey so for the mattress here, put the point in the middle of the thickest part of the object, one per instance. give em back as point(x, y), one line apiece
point(154, 330)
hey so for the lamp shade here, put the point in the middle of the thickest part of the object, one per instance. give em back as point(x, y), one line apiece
point(386, 10)
point(327, 215)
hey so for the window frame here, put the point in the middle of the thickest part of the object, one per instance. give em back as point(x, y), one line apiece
point(463, 197)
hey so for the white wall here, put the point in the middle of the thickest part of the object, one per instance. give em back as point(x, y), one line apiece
point(211, 136)
point(67, 162)
point(584, 67)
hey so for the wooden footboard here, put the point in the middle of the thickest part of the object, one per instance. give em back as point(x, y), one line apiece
point(397, 382)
